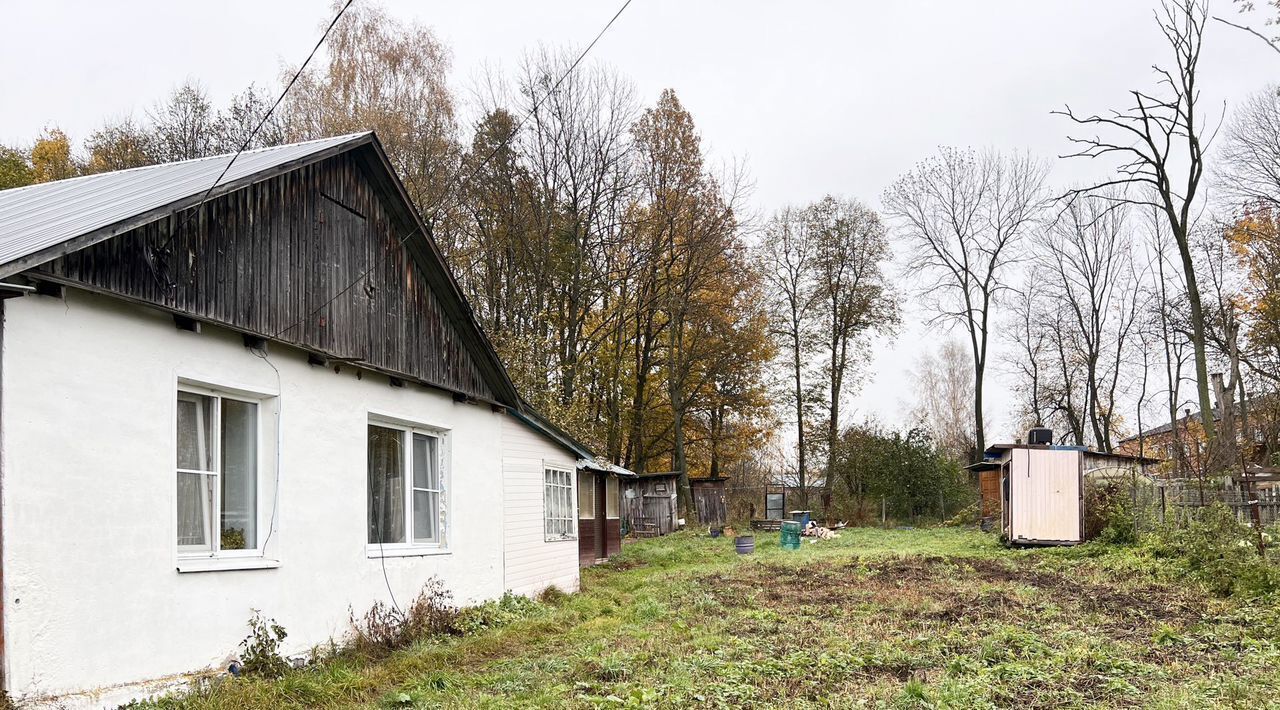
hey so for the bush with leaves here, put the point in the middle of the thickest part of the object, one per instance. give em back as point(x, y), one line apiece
point(1109, 513)
point(494, 614)
point(1221, 552)
point(260, 651)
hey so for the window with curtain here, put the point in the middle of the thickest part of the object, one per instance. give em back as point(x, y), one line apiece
point(406, 488)
point(217, 473)
point(559, 519)
point(586, 495)
point(611, 499)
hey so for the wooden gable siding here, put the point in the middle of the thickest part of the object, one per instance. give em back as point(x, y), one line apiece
point(265, 259)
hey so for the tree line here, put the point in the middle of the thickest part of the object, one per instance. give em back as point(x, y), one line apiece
point(637, 300)
point(1151, 288)
point(616, 266)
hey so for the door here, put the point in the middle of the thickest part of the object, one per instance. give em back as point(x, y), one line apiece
point(601, 547)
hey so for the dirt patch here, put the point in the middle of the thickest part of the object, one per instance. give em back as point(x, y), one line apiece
point(950, 591)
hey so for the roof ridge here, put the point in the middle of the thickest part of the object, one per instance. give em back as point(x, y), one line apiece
point(138, 168)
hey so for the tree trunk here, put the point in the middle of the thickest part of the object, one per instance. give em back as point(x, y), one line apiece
point(799, 393)
point(1198, 340)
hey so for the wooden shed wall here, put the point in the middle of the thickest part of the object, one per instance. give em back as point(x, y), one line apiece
point(650, 499)
point(266, 259)
point(709, 499)
point(989, 490)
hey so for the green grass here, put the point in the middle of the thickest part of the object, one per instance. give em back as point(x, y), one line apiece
point(877, 618)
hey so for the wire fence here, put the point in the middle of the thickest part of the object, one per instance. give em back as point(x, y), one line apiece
point(1180, 499)
point(776, 502)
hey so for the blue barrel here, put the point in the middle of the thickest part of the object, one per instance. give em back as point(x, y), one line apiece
point(744, 544)
point(802, 517)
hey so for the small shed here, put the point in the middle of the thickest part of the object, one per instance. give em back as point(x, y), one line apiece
point(710, 500)
point(1038, 489)
point(1042, 492)
point(649, 503)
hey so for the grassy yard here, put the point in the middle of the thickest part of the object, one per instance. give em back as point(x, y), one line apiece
point(898, 618)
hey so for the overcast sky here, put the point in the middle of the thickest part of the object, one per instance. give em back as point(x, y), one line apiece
point(817, 97)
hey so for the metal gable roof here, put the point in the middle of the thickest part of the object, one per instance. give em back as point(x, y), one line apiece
point(39, 217)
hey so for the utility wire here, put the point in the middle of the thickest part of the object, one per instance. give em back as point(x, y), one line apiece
point(453, 189)
point(195, 209)
point(528, 114)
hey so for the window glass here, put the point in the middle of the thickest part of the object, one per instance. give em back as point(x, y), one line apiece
point(586, 495)
point(611, 496)
point(239, 475)
point(557, 498)
point(773, 503)
point(386, 485)
point(217, 476)
point(426, 489)
point(195, 420)
point(195, 503)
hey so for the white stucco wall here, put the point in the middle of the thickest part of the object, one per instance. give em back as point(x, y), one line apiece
point(91, 593)
point(532, 564)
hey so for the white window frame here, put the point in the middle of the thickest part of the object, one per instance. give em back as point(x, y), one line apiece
point(409, 547)
point(559, 491)
point(262, 473)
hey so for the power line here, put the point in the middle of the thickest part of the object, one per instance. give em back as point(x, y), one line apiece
point(453, 190)
point(194, 209)
point(532, 110)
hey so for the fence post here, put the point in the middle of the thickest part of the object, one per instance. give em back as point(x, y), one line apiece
point(1162, 506)
point(883, 519)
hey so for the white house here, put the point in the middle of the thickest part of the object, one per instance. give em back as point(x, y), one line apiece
point(275, 398)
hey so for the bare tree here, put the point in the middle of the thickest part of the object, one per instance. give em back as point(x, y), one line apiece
point(1167, 299)
point(1249, 162)
point(1031, 333)
point(786, 260)
point(1162, 146)
point(944, 395)
point(962, 213)
point(1092, 279)
point(183, 125)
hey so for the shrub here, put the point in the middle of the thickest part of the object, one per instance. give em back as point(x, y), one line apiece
point(1218, 550)
point(260, 651)
point(1109, 513)
point(494, 614)
point(386, 628)
point(552, 596)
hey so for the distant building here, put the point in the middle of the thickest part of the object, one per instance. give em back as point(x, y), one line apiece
point(1161, 441)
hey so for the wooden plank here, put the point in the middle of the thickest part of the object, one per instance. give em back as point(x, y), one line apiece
point(272, 259)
